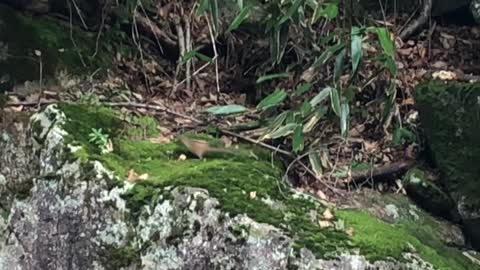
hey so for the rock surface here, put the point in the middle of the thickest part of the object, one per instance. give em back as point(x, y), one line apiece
point(450, 115)
point(65, 205)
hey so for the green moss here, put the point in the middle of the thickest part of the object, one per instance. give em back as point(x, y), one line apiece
point(450, 114)
point(232, 179)
point(4, 214)
point(428, 195)
point(378, 240)
point(121, 257)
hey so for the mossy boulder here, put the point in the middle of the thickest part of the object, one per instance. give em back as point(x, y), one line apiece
point(429, 195)
point(138, 206)
point(450, 115)
point(34, 47)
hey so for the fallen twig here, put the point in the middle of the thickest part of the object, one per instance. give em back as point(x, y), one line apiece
point(382, 171)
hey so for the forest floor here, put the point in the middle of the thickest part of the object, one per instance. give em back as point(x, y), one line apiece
point(451, 50)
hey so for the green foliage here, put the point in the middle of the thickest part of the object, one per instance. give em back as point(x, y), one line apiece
point(226, 110)
point(99, 138)
point(342, 49)
point(273, 100)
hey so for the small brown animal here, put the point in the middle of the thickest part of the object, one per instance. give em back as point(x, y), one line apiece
point(200, 147)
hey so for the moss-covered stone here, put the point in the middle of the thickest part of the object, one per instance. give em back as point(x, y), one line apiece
point(250, 185)
point(21, 36)
point(450, 114)
point(428, 195)
point(380, 232)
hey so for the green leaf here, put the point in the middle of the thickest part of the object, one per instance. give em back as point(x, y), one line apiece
point(327, 55)
point(273, 99)
point(316, 163)
point(242, 16)
point(302, 89)
point(270, 77)
point(402, 135)
point(356, 47)
point(291, 11)
point(279, 120)
point(283, 131)
point(391, 66)
point(320, 96)
point(335, 100)
point(314, 120)
point(329, 12)
point(227, 109)
point(215, 15)
point(278, 42)
point(298, 141)
point(344, 119)
point(240, 4)
point(306, 108)
point(339, 65)
point(191, 54)
point(202, 7)
point(385, 41)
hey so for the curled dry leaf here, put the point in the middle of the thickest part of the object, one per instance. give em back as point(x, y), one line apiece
point(444, 75)
point(325, 224)
point(327, 214)
point(322, 195)
point(109, 146)
point(134, 177)
point(350, 232)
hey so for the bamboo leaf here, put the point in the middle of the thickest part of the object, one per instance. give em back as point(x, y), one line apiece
point(316, 163)
point(302, 89)
point(314, 120)
point(242, 16)
point(320, 96)
point(270, 77)
point(283, 131)
point(335, 100)
point(298, 140)
point(226, 110)
point(339, 65)
point(273, 99)
point(344, 119)
point(356, 48)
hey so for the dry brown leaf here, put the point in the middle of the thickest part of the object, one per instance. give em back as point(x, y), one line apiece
point(308, 75)
point(109, 146)
point(445, 75)
point(134, 177)
point(16, 108)
point(370, 146)
point(137, 96)
point(325, 224)
point(327, 214)
point(321, 195)
point(350, 232)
